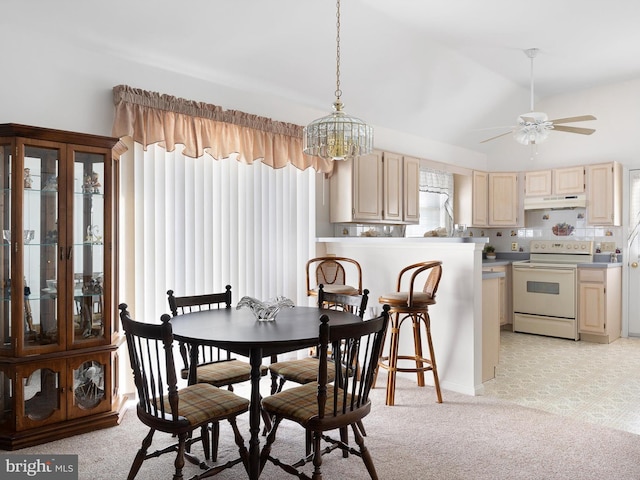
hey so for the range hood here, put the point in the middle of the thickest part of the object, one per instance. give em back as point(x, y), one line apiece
point(556, 202)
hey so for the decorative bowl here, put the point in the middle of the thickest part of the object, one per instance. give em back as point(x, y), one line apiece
point(265, 311)
point(28, 235)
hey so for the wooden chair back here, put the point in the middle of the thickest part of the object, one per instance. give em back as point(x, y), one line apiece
point(150, 349)
point(331, 271)
point(358, 344)
point(196, 303)
point(356, 304)
point(411, 273)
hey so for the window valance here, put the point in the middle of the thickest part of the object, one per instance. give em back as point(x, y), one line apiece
point(150, 117)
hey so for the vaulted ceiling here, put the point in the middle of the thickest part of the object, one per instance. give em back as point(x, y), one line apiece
point(441, 69)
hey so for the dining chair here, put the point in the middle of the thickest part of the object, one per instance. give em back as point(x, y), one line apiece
point(330, 271)
point(215, 366)
point(164, 407)
point(322, 406)
point(305, 370)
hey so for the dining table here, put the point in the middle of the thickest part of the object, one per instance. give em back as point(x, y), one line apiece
point(238, 331)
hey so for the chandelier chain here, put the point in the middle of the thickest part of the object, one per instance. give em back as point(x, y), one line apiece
point(338, 91)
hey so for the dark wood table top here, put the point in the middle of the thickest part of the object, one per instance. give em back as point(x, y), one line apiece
point(238, 331)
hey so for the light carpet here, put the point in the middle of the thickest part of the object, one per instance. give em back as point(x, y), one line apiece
point(464, 438)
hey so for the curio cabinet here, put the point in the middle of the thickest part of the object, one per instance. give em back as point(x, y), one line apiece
point(59, 333)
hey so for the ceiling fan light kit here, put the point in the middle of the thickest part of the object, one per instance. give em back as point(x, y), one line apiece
point(534, 127)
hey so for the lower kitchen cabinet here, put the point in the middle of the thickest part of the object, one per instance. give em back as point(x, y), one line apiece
point(599, 304)
point(490, 325)
point(504, 292)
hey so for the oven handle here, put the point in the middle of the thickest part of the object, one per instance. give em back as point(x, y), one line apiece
point(528, 268)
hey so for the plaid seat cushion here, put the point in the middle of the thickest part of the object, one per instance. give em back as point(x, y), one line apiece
point(201, 402)
point(304, 370)
point(221, 374)
point(397, 299)
point(299, 404)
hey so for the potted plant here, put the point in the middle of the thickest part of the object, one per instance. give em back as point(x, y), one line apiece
point(490, 252)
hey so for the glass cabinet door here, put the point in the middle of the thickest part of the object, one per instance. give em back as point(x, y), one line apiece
point(41, 253)
point(5, 251)
point(88, 246)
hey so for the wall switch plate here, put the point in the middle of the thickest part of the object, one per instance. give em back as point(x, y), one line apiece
point(514, 246)
point(608, 246)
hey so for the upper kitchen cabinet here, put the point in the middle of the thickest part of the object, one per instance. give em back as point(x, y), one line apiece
point(560, 181)
point(381, 187)
point(537, 184)
point(604, 194)
point(567, 181)
point(471, 205)
point(503, 199)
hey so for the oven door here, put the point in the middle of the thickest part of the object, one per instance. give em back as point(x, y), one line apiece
point(544, 290)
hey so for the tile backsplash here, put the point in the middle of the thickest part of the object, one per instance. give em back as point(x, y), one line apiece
point(570, 224)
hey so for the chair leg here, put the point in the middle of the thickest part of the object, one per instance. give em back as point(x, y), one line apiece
point(417, 348)
point(137, 461)
point(317, 456)
point(271, 437)
point(215, 437)
point(344, 438)
point(434, 368)
point(179, 463)
point(393, 361)
point(364, 453)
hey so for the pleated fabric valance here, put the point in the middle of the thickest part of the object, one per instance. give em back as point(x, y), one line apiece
point(150, 117)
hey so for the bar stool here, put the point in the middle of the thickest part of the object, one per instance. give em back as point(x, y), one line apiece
point(415, 305)
point(330, 272)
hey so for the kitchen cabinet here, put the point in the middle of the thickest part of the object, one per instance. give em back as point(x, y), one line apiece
point(486, 199)
point(504, 291)
point(381, 187)
point(59, 332)
point(567, 181)
point(503, 199)
point(559, 181)
point(599, 304)
point(490, 325)
point(538, 184)
point(471, 202)
point(604, 194)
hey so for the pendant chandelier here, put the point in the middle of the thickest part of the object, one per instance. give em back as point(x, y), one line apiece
point(338, 136)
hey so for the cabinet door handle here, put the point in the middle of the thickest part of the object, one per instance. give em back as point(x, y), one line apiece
point(634, 265)
point(61, 253)
point(69, 253)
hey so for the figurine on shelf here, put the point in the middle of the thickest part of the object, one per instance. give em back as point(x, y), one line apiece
point(28, 181)
point(86, 186)
point(51, 185)
point(95, 183)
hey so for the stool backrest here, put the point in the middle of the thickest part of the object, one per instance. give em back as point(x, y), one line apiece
point(331, 271)
point(432, 282)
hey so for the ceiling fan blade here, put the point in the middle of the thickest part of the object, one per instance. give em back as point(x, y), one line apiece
point(581, 118)
point(497, 136)
point(582, 131)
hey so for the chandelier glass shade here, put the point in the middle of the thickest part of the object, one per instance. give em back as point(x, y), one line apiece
point(338, 136)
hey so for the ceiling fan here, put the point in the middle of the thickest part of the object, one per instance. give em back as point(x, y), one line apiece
point(534, 127)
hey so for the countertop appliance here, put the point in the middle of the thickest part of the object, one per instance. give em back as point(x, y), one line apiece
point(545, 287)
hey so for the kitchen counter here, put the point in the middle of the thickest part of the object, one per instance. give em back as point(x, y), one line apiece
point(495, 263)
point(601, 265)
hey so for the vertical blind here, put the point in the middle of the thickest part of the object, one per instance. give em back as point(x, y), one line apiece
point(194, 225)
